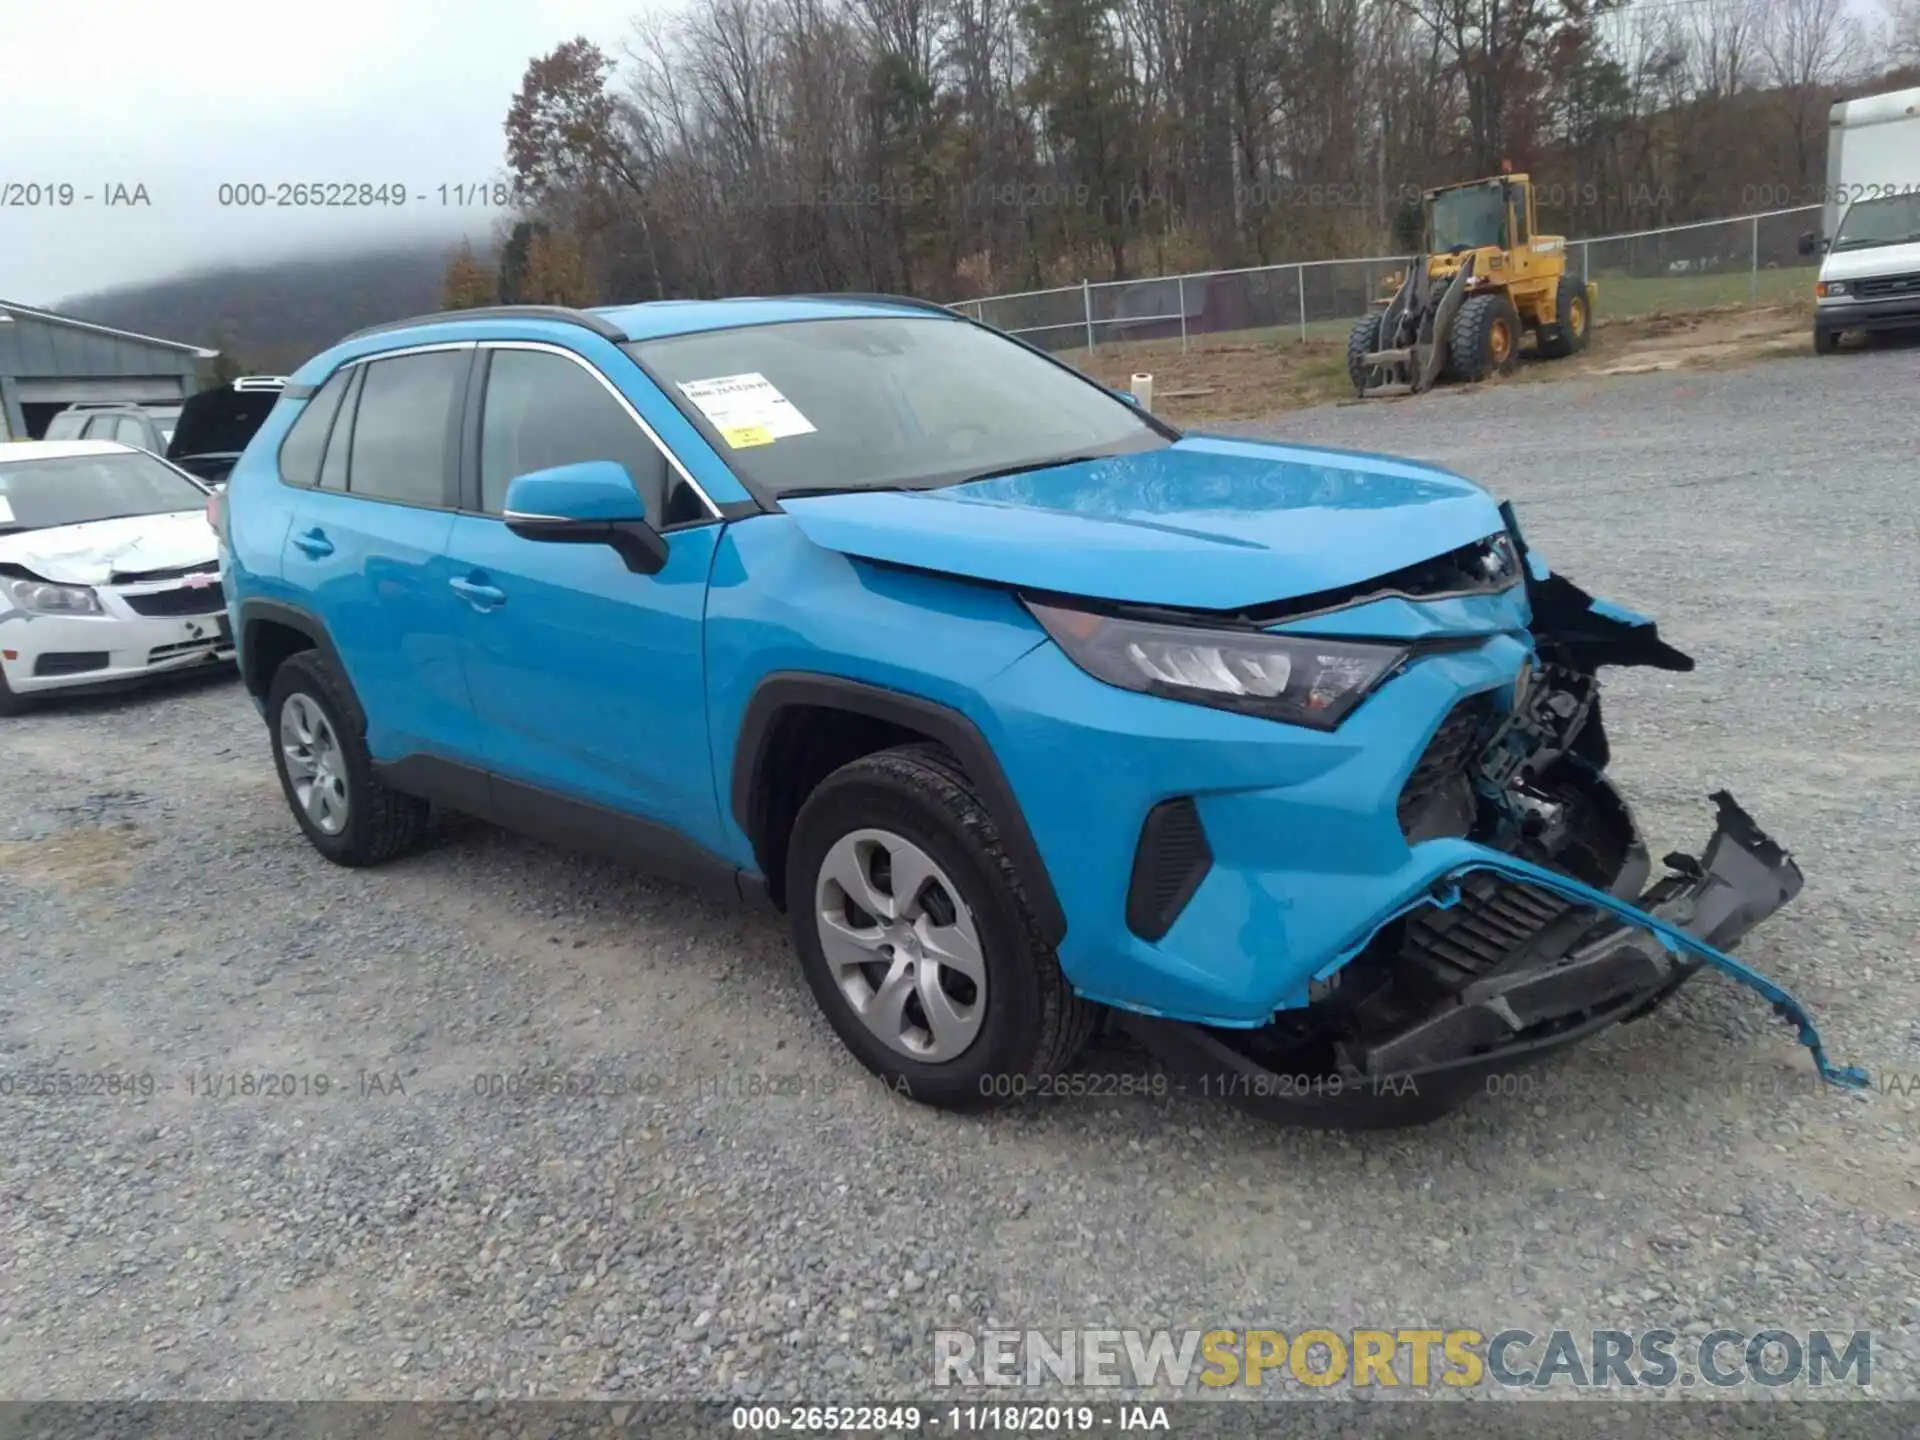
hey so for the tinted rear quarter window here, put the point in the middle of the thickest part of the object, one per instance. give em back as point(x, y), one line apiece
point(300, 452)
point(333, 471)
point(401, 427)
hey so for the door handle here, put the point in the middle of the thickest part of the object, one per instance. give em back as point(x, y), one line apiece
point(313, 543)
point(481, 597)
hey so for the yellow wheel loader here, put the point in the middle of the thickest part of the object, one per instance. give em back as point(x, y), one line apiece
point(1460, 310)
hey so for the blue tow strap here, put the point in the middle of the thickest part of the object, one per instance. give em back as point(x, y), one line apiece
point(1847, 1077)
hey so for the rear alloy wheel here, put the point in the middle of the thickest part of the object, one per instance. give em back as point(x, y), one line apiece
point(326, 772)
point(316, 770)
point(916, 938)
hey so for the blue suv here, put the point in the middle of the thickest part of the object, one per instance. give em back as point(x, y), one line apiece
point(1030, 711)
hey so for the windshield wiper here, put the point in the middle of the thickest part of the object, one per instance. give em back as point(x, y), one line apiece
point(1028, 465)
point(803, 492)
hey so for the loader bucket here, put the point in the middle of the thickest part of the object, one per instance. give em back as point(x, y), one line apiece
point(1413, 334)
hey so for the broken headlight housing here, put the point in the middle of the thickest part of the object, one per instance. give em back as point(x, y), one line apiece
point(1295, 678)
point(39, 597)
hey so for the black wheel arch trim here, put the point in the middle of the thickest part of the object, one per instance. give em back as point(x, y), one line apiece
point(789, 689)
point(276, 612)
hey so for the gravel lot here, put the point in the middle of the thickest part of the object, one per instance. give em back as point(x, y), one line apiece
point(406, 1235)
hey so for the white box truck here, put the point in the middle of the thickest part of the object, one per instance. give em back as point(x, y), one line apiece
point(1870, 240)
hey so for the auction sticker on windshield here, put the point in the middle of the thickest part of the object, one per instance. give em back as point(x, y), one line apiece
point(746, 409)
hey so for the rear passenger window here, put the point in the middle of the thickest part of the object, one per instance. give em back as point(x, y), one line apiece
point(129, 431)
point(543, 410)
point(399, 447)
point(300, 452)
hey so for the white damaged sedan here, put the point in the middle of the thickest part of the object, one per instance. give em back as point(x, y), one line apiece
point(109, 571)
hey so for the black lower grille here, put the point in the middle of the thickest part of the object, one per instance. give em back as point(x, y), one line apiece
point(1882, 286)
point(1493, 918)
point(70, 662)
point(1172, 859)
point(187, 600)
point(1446, 757)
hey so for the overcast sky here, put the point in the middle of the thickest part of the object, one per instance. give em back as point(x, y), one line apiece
point(183, 97)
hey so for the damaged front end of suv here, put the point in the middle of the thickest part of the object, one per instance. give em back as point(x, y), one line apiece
point(1535, 919)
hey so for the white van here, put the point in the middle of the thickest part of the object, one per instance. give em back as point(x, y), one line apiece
point(1870, 276)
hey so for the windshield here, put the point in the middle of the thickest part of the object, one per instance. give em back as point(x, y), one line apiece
point(885, 403)
point(1887, 220)
point(72, 489)
point(1468, 218)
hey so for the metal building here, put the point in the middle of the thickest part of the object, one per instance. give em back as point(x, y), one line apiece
point(49, 361)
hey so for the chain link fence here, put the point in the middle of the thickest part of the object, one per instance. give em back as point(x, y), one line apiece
point(1746, 260)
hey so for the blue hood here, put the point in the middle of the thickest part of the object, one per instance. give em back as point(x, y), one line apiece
point(1207, 523)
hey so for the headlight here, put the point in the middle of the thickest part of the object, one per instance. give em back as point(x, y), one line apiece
point(1294, 678)
point(1830, 289)
point(45, 599)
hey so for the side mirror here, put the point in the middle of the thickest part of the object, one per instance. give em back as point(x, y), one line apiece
point(1810, 244)
point(1131, 398)
point(591, 503)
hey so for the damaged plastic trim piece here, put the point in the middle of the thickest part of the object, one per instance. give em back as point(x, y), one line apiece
point(1598, 977)
point(1733, 876)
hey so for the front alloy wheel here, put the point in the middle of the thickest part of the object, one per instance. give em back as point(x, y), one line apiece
point(916, 938)
point(316, 770)
point(902, 945)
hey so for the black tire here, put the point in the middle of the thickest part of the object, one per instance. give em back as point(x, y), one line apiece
point(381, 824)
point(1825, 342)
point(1033, 1025)
point(10, 703)
point(1573, 322)
point(1473, 342)
point(1362, 341)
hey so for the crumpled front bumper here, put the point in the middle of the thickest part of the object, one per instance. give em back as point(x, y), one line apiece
point(1620, 966)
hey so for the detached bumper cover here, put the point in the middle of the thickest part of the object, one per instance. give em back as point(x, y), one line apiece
point(1623, 964)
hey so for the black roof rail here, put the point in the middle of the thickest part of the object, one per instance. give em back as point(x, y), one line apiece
point(565, 314)
point(913, 302)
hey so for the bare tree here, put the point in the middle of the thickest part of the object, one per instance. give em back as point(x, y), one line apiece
point(1723, 37)
point(961, 146)
point(1809, 46)
point(1903, 31)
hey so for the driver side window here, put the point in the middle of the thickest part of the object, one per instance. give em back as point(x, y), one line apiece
point(543, 410)
point(1521, 234)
